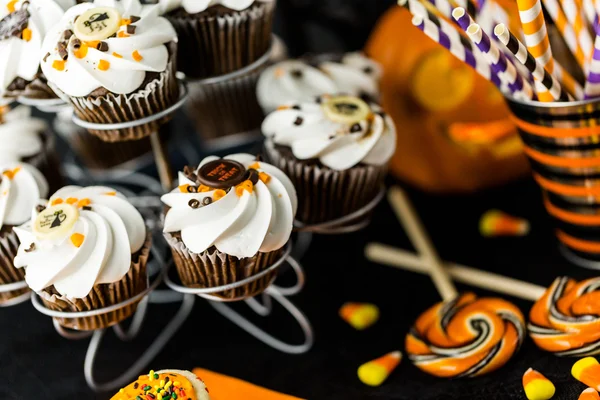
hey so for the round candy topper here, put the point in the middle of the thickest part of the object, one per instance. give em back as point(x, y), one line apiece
point(55, 221)
point(97, 24)
point(346, 109)
point(14, 24)
point(221, 174)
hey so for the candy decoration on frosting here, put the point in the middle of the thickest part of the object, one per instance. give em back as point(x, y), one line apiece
point(221, 174)
point(346, 109)
point(359, 315)
point(165, 385)
point(55, 221)
point(97, 23)
point(537, 386)
point(565, 319)
point(589, 394)
point(497, 223)
point(587, 371)
point(77, 239)
point(375, 372)
point(466, 337)
point(14, 24)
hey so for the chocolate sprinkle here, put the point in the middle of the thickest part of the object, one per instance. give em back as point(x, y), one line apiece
point(134, 19)
point(76, 43)
point(39, 208)
point(31, 248)
point(62, 51)
point(296, 73)
point(296, 107)
point(298, 121)
point(355, 128)
point(67, 34)
point(13, 24)
point(86, 208)
point(192, 189)
point(102, 46)
point(136, 385)
point(206, 201)
point(368, 70)
point(252, 176)
point(46, 56)
point(131, 29)
point(194, 203)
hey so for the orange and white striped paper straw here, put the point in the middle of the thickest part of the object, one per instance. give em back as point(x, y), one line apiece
point(566, 30)
point(573, 12)
point(536, 39)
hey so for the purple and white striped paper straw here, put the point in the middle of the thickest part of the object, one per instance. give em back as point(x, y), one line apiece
point(500, 64)
point(592, 83)
point(457, 48)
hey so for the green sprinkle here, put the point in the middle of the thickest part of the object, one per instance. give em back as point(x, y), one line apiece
point(146, 388)
point(174, 396)
point(138, 398)
point(155, 376)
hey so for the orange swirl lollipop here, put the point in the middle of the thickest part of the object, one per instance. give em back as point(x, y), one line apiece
point(463, 336)
point(566, 319)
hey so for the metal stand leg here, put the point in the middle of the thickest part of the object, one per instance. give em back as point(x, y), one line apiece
point(132, 372)
point(162, 161)
point(302, 244)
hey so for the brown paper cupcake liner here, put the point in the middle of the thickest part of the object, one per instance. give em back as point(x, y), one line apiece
point(156, 96)
point(103, 295)
point(213, 268)
point(9, 245)
point(226, 108)
point(325, 194)
point(212, 45)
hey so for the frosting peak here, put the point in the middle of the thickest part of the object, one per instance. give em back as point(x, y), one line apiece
point(21, 186)
point(108, 44)
point(82, 237)
point(339, 131)
point(237, 204)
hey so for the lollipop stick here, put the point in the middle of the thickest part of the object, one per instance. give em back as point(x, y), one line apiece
point(162, 161)
point(408, 218)
point(401, 259)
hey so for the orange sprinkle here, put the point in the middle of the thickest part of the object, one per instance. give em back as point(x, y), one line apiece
point(58, 65)
point(11, 6)
point(56, 201)
point(103, 65)
point(122, 34)
point(137, 56)
point(117, 55)
point(219, 194)
point(82, 51)
point(279, 72)
point(84, 202)
point(26, 34)
point(256, 165)
point(10, 174)
point(124, 22)
point(281, 108)
point(93, 43)
point(77, 239)
point(264, 177)
point(71, 200)
point(110, 193)
point(203, 188)
point(184, 188)
point(246, 185)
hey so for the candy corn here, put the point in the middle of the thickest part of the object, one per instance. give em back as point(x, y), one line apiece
point(589, 394)
point(537, 386)
point(359, 315)
point(497, 223)
point(587, 371)
point(375, 372)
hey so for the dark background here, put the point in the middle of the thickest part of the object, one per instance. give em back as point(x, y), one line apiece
point(36, 363)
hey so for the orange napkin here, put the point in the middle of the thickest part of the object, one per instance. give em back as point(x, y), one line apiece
point(223, 387)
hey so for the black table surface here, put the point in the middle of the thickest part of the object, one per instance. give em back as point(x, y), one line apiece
point(37, 363)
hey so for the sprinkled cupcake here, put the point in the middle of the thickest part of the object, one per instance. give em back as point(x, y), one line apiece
point(165, 384)
point(116, 62)
point(21, 185)
point(23, 26)
point(229, 219)
point(85, 249)
point(335, 150)
point(27, 139)
point(219, 36)
point(302, 80)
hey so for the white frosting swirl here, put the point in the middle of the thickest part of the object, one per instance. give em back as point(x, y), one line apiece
point(20, 135)
point(196, 6)
point(19, 58)
point(21, 187)
point(112, 230)
point(297, 81)
point(311, 134)
point(239, 226)
point(126, 72)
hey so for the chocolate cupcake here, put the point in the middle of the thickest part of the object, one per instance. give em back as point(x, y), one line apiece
point(165, 384)
point(27, 139)
point(302, 80)
point(336, 152)
point(116, 64)
point(219, 36)
point(85, 250)
point(228, 220)
point(23, 26)
point(21, 186)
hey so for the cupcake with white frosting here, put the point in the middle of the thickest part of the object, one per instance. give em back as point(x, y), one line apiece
point(21, 185)
point(219, 36)
point(85, 249)
point(116, 61)
point(229, 219)
point(28, 139)
point(303, 80)
point(23, 26)
point(336, 152)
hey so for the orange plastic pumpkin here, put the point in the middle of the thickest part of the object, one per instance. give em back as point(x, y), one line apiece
point(454, 133)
